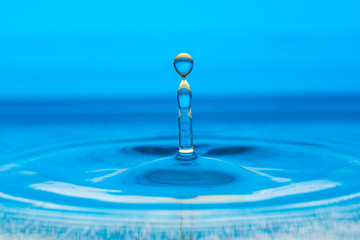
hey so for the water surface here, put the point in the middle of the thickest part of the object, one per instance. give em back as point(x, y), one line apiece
point(62, 165)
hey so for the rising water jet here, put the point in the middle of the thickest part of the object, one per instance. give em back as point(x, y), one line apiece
point(186, 175)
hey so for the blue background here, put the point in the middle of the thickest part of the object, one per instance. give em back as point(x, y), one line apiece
point(123, 49)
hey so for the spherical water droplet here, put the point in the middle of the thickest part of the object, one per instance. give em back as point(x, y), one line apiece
point(183, 64)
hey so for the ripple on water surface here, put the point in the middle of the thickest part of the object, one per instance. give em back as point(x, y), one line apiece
point(77, 187)
point(279, 175)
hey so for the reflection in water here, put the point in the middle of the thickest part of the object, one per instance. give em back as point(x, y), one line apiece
point(106, 195)
point(258, 172)
point(186, 223)
point(114, 173)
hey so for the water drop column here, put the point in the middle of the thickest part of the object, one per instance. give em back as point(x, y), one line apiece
point(183, 64)
point(185, 119)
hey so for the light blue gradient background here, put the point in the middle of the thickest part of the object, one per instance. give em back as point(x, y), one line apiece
point(122, 49)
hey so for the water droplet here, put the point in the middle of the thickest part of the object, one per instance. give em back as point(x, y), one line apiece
point(183, 64)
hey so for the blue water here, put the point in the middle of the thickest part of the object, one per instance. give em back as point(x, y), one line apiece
point(65, 165)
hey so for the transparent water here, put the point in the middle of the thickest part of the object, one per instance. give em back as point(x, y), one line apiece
point(62, 170)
